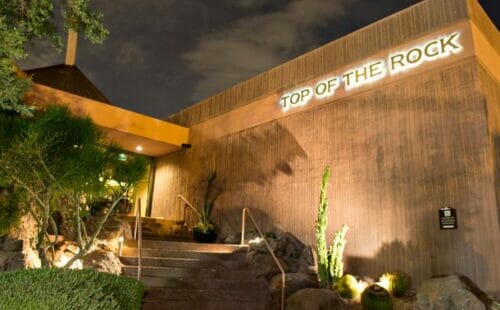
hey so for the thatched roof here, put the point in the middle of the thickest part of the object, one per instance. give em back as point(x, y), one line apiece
point(67, 78)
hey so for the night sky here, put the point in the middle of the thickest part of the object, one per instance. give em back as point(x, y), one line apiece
point(163, 56)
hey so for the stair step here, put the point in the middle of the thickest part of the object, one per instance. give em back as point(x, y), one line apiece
point(168, 294)
point(205, 305)
point(172, 235)
point(201, 283)
point(147, 220)
point(222, 262)
point(185, 246)
point(174, 272)
point(148, 252)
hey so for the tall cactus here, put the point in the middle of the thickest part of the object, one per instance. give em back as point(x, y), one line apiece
point(337, 252)
point(330, 265)
point(321, 226)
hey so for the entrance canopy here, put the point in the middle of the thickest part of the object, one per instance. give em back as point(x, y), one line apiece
point(134, 132)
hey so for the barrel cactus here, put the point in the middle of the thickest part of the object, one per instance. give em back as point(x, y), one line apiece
point(375, 297)
point(347, 287)
point(396, 282)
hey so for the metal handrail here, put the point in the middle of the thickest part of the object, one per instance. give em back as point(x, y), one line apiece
point(138, 237)
point(186, 205)
point(263, 238)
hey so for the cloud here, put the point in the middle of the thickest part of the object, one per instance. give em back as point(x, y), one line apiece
point(42, 54)
point(258, 42)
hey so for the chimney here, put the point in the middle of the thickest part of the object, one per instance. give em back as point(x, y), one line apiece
point(71, 47)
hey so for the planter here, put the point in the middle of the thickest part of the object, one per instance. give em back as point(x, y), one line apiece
point(204, 235)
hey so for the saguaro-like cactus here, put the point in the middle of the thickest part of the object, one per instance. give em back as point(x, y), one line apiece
point(330, 265)
point(321, 226)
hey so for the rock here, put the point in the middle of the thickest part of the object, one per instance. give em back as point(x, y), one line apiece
point(236, 238)
point(23, 235)
point(293, 255)
point(10, 260)
point(111, 232)
point(315, 299)
point(293, 283)
point(446, 293)
point(263, 264)
point(104, 261)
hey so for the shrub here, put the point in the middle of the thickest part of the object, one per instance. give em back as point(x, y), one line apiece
point(58, 289)
point(375, 297)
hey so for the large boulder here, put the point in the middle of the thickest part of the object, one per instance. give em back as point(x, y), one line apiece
point(293, 283)
point(110, 233)
point(293, 255)
point(446, 293)
point(17, 249)
point(315, 299)
point(102, 260)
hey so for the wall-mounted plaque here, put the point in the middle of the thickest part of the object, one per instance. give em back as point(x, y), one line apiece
point(448, 218)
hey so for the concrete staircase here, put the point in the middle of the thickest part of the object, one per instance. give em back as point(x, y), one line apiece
point(157, 228)
point(188, 275)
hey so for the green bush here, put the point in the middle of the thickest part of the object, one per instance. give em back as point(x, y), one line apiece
point(65, 289)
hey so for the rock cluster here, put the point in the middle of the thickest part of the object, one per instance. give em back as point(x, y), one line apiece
point(104, 255)
point(302, 290)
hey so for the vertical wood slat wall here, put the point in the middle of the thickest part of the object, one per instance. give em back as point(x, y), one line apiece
point(406, 25)
point(398, 154)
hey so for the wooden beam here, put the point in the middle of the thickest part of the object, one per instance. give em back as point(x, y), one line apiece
point(71, 48)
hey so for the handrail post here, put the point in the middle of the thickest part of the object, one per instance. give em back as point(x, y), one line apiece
point(276, 260)
point(139, 240)
point(243, 224)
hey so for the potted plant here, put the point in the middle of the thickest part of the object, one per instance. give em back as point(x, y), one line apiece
point(205, 231)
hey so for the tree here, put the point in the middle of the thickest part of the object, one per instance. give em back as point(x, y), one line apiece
point(22, 21)
point(59, 162)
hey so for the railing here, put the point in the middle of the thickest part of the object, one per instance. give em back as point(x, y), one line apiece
point(138, 237)
point(186, 206)
point(263, 238)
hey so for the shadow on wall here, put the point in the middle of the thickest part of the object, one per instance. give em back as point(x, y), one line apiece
point(262, 153)
point(262, 218)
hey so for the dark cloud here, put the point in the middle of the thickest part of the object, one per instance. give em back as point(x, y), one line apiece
point(162, 56)
point(255, 43)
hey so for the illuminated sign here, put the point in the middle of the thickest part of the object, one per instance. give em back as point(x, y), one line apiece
point(395, 63)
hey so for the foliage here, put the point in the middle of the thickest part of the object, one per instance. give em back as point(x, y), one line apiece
point(347, 287)
point(23, 21)
point(330, 265)
point(204, 225)
point(10, 213)
point(376, 297)
point(396, 282)
point(68, 289)
point(58, 161)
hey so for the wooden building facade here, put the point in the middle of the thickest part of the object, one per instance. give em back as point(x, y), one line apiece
point(401, 147)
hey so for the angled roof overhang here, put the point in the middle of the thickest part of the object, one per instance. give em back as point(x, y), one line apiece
point(127, 128)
